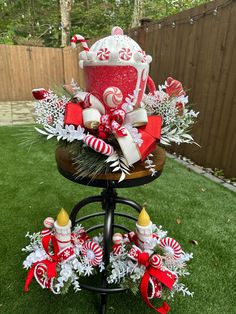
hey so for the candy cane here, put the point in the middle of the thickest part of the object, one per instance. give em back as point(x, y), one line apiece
point(45, 232)
point(99, 145)
point(171, 247)
point(81, 39)
point(93, 252)
point(125, 54)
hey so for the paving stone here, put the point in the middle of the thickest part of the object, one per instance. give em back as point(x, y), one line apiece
point(212, 178)
point(16, 112)
point(170, 155)
point(196, 169)
point(229, 186)
point(6, 116)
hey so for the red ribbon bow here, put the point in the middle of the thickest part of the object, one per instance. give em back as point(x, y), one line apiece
point(150, 133)
point(52, 263)
point(112, 122)
point(162, 275)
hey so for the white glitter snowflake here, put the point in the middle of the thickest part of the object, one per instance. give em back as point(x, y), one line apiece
point(50, 110)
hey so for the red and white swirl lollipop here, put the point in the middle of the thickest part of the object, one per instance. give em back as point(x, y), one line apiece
point(103, 54)
point(99, 145)
point(125, 54)
point(171, 247)
point(93, 252)
point(112, 96)
point(156, 261)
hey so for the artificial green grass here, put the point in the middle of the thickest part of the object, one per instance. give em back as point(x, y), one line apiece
point(32, 189)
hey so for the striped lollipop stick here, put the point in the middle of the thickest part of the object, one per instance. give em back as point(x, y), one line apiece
point(81, 39)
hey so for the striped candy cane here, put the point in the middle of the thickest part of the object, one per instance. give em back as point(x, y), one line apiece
point(81, 39)
point(99, 145)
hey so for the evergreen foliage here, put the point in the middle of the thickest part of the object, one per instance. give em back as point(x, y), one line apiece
point(38, 23)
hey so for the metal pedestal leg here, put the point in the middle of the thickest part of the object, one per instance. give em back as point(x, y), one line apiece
point(108, 199)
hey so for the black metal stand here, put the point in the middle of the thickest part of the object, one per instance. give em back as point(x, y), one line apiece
point(108, 199)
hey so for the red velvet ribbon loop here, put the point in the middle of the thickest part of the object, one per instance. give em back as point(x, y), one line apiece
point(144, 292)
point(51, 265)
point(150, 133)
point(143, 258)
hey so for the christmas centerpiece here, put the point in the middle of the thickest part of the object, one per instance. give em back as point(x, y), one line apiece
point(113, 124)
point(144, 260)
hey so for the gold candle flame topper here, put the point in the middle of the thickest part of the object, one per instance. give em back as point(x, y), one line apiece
point(143, 218)
point(62, 218)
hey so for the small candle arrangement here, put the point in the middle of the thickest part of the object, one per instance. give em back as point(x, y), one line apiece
point(144, 260)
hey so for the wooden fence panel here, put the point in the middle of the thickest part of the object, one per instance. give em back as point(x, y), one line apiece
point(23, 68)
point(202, 56)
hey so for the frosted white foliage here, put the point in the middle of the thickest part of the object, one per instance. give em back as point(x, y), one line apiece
point(176, 122)
point(68, 271)
point(69, 133)
point(50, 110)
point(119, 163)
point(149, 164)
point(123, 267)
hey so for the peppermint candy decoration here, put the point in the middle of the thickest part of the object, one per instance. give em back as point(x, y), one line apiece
point(99, 145)
point(48, 222)
point(103, 54)
point(156, 261)
point(125, 54)
point(40, 274)
point(93, 252)
point(117, 238)
point(112, 96)
point(171, 247)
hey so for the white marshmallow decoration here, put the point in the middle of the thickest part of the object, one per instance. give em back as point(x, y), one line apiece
point(149, 59)
point(138, 56)
point(117, 238)
point(112, 96)
point(48, 222)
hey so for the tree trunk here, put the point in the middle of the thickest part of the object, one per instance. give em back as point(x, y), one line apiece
point(65, 6)
point(138, 12)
